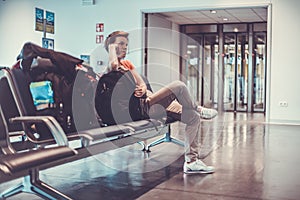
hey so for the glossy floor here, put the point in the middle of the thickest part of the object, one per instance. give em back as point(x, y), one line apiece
point(253, 160)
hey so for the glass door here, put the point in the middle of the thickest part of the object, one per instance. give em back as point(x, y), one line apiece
point(192, 66)
point(236, 50)
point(229, 71)
point(210, 71)
point(259, 72)
point(201, 68)
point(242, 69)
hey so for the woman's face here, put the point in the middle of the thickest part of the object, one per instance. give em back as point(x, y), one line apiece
point(122, 46)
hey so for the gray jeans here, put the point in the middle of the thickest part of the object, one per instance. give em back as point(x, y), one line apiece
point(176, 98)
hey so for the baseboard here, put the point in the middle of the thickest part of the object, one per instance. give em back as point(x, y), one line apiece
point(284, 122)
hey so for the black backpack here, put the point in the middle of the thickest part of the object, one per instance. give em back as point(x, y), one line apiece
point(74, 108)
point(115, 102)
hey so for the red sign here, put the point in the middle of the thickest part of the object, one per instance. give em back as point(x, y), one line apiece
point(99, 27)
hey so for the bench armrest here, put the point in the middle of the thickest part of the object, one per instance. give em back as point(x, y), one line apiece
point(54, 127)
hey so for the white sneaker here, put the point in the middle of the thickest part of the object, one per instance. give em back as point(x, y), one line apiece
point(207, 113)
point(197, 167)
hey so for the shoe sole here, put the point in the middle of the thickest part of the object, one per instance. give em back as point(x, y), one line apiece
point(208, 117)
point(199, 172)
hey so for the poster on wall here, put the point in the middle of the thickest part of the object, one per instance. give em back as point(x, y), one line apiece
point(39, 19)
point(85, 58)
point(48, 43)
point(49, 22)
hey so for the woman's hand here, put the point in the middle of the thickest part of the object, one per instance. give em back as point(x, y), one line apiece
point(140, 90)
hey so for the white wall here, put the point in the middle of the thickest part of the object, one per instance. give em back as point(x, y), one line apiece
point(285, 66)
point(160, 66)
point(75, 34)
point(75, 25)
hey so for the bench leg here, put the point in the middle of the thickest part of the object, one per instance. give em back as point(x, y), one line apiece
point(167, 138)
point(143, 145)
point(12, 191)
point(32, 184)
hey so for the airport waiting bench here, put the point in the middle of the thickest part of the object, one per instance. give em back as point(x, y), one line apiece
point(16, 103)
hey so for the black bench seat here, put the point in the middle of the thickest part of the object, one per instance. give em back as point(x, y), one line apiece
point(144, 124)
point(105, 132)
point(121, 130)
point(12, 163)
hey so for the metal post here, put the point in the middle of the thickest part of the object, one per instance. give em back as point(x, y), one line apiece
point(44, 29)
point(250, 70)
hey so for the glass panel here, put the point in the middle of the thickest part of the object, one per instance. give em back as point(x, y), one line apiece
point(192, 67)
point(229, 72)
point(260, 27)
point(210, 70)
point(259, 71)
point(235, 28)
point(200, 28)
point(207, 73)
point(242, 69)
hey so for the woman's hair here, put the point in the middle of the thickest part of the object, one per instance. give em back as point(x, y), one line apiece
point(111, 38)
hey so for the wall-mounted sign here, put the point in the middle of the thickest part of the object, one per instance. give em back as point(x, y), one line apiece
point(85, 58)
point(99, 27)
point(49, 22)
point(99, 39)
point(39, 19)
point(48, 43)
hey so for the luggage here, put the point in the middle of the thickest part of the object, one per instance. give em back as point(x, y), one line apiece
point(115, 101)
point(62, 72)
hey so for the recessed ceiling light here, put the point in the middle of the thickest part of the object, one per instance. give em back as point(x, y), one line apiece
point(213, 11)
point(225, 19)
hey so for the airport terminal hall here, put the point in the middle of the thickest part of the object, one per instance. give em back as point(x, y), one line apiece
point(144, 100)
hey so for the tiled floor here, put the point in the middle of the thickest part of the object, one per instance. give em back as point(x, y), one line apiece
point(253, 160)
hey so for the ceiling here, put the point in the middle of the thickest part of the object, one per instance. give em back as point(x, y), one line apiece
point(233, 15)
